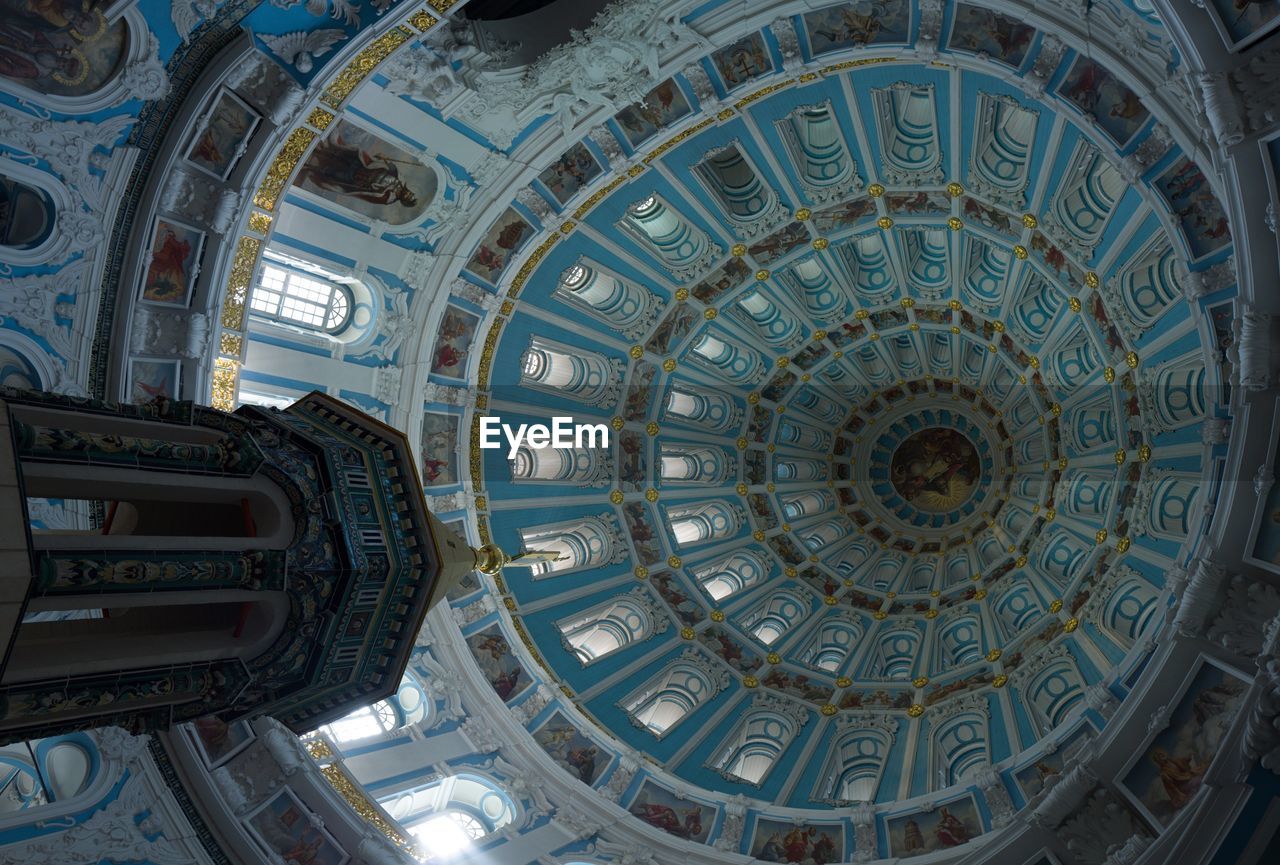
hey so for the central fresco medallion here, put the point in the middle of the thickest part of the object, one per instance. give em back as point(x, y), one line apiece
point(936, 469)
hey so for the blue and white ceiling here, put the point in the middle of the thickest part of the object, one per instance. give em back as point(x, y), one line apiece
point(816, 235)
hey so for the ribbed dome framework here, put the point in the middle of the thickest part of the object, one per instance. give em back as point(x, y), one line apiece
point(893, 469)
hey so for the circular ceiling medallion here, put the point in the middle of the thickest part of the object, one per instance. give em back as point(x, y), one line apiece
point(936, 469)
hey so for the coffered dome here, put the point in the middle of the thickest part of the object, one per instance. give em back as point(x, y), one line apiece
point(919, 330)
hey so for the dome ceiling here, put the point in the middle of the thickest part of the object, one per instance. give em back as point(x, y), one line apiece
point(901, 379)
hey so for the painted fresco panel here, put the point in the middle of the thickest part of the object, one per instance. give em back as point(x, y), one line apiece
point(1098, 93)
point(503, 671)
point(661, 106)
point(575, 168)
point(219, 741)
point(742, 61)
point(439, 455)
point(839, 27)
point(1167, 775)
point(950, 825)
point(997, 36)
point(1243, 22)
point(222, 135)
point(682, 818)
point(284, 826)
point(806, 843)
point(575, 753)
point(174, 263)
point(503, 240)
point(453, 342)
point(59, 47)
point(1199, 214)
point(149, 379)
point(368, 175)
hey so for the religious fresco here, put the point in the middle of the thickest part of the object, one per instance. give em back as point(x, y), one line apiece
point(453, 342)
point(727, 276)
point(673, 328)
point(643, 535)
point(59, 47)
point(1200, 215)
point(985, 32)
point(368, 175)
point(498, 663)
point(219, 741)
point(729, 650)
point(950, 825)
point(175, 263)
point(574, 752)
point(661, 106)
point(503, 240)
point(843, 215)
point(1169, 772)
point(439, 455)
point(742, 61)
point(797, 685)
point(804, 843)
point(682, 818)
point(639, 391)
point(1046, 769)
point(1243, 22)
point(149, 379)
point(778, 244)
point(1098, 93)
point(935, 469)
point(286, 827)
point(633, 465)
point(26, 215)
point(916, 203)
point(687, 610)
point(876, 698)
point(575, 168)
point(222, 135)
point(864, 23)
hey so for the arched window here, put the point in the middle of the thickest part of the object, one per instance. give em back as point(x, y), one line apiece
point(408, 705)
point(774, 616)
point(45, 771)
point(959, 641)
point(812, 137)
point(26, 214)
point(831, 645)
point(714, 412)
point(895, 654)
point(728, 360)
point(734, 183)
point(726, 577)
point(286, 292)
point(960, 748)
point(695, 524)
point(671, 696)
point(690, 464)
point(446, 817)
point(806, 504)
point(1129, 609)
point(683, 248)
point(578, 374)
point(584, 543)
point(758, 740)
point(1053, 692)
point(608, 627)
point(856, 760)
point(1016, 608)
point(364, 723)
point(620, 305)
point(585, 466)
point(826, 533)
